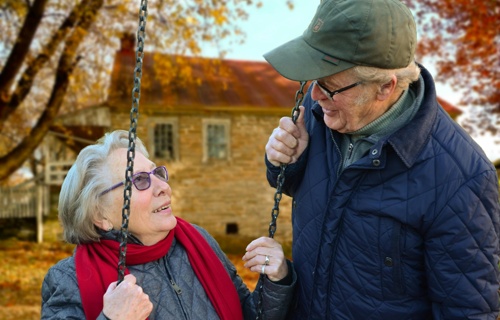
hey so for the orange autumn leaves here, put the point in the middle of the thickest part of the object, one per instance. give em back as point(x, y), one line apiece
point(25, 263)
point(463, 37)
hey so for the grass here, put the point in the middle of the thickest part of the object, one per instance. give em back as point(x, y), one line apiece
point(25, 263)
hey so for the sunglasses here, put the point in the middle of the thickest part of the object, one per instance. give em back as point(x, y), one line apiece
point(142, 180)
point(332, 93)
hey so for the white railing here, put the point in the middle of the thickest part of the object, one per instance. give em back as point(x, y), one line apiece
point(24, 201)
point(19, 201)
point(56, 171)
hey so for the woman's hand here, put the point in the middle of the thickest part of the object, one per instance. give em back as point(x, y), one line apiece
point(126, 301)
point(265, 255)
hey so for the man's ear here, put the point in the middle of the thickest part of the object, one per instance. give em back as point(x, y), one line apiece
point(387, 89)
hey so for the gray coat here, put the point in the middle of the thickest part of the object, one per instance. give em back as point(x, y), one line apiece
point(184, 300)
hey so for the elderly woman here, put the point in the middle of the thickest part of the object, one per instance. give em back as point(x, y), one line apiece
point(174, 270)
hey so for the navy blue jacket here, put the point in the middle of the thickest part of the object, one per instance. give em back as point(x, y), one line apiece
point(409, 231)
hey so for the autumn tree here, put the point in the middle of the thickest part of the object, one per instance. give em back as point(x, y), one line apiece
point(55, 55)
point(462, 38)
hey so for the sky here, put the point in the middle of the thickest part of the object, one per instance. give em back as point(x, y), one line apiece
point(274, 23)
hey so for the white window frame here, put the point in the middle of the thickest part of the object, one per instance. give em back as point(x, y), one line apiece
point(226, 123)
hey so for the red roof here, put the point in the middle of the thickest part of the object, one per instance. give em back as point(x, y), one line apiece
point(226, 84)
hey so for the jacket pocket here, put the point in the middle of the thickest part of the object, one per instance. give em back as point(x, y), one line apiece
point(391, 265)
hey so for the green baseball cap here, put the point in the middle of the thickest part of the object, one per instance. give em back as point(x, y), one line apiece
point(347, 33)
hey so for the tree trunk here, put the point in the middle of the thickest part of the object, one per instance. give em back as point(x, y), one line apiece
point(17, 56)
point(16, 157)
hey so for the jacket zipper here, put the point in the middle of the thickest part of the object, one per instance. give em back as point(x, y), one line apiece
point(177, 289)
point(351, 147)
point(341, 218)
point(339, 168)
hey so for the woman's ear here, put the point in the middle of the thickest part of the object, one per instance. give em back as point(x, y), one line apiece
point(103, 224)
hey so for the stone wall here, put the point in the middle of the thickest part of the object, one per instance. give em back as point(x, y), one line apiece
point(223, 194)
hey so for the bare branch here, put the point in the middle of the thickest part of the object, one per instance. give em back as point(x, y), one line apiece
point(18, 54)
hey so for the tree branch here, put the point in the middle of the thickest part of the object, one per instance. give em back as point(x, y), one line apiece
point(26, 80)
point(14, 159)
point(19, 52)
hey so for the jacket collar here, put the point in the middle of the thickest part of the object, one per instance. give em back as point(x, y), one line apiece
point(408, 141)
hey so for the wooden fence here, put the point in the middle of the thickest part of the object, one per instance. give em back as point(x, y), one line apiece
point(27, 200)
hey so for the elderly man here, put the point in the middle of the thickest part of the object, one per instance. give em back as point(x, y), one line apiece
point(395, 208)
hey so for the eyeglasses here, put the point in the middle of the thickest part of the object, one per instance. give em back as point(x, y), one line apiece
point(332, 93)
point(142, 180)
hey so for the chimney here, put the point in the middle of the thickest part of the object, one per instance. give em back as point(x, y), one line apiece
point(128, 44)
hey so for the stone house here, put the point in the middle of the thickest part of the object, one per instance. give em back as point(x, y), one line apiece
point(211, 137)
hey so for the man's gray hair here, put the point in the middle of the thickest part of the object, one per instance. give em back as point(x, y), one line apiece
point(405, 75)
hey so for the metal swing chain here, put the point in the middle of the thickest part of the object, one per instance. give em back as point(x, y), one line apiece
point(132, 134)
point(299, 95)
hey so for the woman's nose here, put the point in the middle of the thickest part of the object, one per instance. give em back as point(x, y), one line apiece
point(160, 187)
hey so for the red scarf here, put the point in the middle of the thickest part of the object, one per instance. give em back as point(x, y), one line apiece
point(97, 263)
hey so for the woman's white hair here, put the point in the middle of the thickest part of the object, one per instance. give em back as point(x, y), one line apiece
point(79, 200)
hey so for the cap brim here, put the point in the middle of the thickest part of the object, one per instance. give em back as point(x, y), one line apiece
point(297, 60)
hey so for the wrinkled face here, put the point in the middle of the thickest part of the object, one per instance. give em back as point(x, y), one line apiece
point(349, 110)
point(151, 215)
